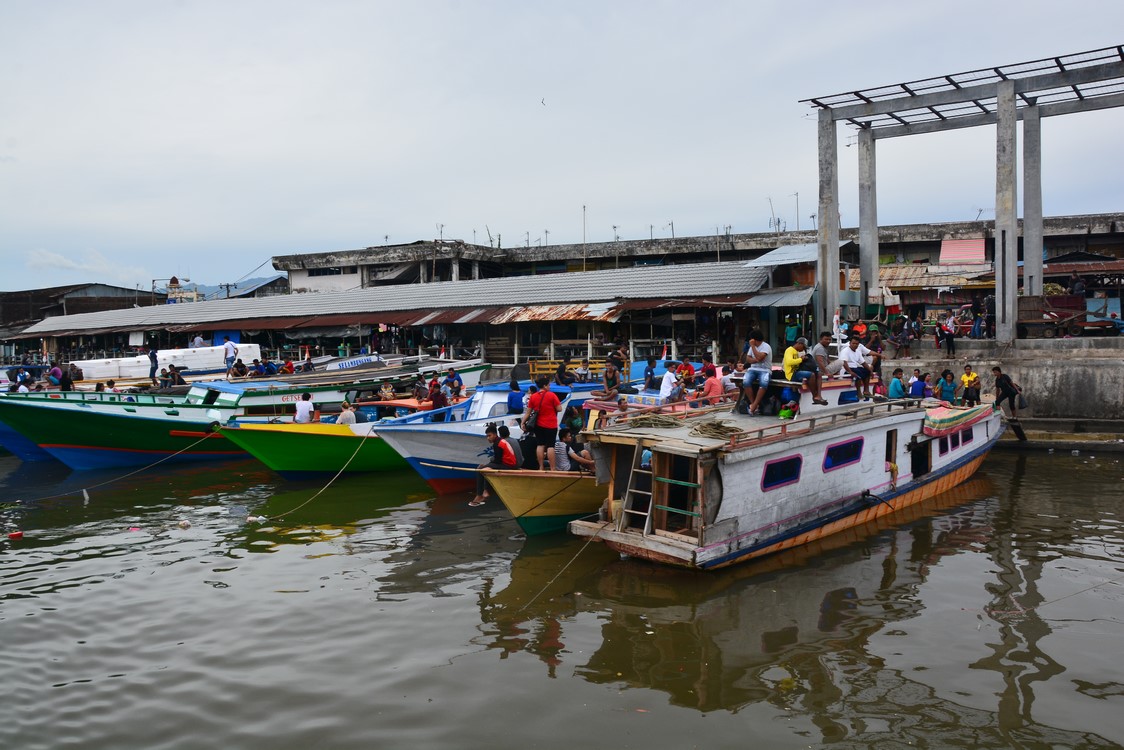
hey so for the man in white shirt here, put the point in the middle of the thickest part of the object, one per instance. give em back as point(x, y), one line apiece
point(197, 342)
point(304, 409)
point(668, 385)
point(854, 357)
point(229, 352)
point(760, 359)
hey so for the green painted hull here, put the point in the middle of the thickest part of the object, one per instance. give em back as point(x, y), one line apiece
point(92, 440)
point(536, 525)
point(293, 453)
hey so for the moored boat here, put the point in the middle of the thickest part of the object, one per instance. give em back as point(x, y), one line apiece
point(700, 492)
point(293, 450)
point(544, 502)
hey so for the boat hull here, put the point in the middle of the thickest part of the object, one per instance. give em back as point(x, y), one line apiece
point(93, 440)
point(444, 454)
point(544, 502)
point(764, 525)
point(296, 450)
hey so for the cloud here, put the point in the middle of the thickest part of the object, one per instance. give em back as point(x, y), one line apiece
point(93, 264)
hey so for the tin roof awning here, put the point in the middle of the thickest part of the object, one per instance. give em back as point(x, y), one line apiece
point(962, 252)
point(797, 297)
point(788, 255)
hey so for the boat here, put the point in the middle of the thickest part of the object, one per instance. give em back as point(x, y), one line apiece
point(102, 430)
point(544, 502)
point(703, 490)
point(203, 360)
point(297, 450)
point(446, 453)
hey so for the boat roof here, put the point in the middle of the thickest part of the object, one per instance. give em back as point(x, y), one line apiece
point(692, 432)
point(256, 385)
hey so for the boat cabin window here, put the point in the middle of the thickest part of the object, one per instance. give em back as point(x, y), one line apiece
point(783, 471)
point(920, 458)
point(942, 445)
point(966, 435)
point(842, 454)
point(954, 438)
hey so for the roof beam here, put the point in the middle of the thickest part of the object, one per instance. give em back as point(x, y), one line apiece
point(1063, 79)
point(1107, 101)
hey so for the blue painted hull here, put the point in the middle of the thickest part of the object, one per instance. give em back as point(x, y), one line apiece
point(21, 447)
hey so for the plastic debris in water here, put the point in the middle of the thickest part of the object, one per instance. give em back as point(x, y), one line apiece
point(184, 524)
point(1075, 452)
point(256, 519)
point(134, 528)
point(15, 535)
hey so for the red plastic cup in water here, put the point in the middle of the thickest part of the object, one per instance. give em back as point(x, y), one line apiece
point(16, 535)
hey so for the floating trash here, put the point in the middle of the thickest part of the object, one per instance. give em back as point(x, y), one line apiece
point(184, 524)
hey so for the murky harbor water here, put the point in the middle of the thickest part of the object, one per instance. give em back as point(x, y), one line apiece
point(376, 615)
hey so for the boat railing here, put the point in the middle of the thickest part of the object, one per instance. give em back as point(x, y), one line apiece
point(808, 425)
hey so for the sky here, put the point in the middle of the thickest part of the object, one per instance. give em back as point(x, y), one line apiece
point(141, 139)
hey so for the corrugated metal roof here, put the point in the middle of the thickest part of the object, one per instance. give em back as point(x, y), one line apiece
point(651, 282)
point(781, 298)
point(957, 252)
point(922, 277)
point(790, 254)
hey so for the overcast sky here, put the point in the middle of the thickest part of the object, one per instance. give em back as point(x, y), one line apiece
point(145, 138)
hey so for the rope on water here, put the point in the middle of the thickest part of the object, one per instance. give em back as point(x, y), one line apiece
point(330, 481)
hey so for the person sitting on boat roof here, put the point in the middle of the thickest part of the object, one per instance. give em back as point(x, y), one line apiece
point(760, 371)
point(270, 367)
point(650, 383)
point(54, 375)
point(670, 389)
point(257, 369)
point(686, 373)
point(581, 372)
point(503, 457)
point(799, 366)
point(239, 370)
point(111, 386)
point(287, 368)
point(386, 392)
point(610, 383)
point(897, 386)
point(308, 366)
point(165, 379)
point(563, 376)
point(713, 391)
point(854, 357)
point(437, 399)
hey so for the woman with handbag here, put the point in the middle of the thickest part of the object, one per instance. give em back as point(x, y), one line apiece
point(542, 419)
point(1007, 389)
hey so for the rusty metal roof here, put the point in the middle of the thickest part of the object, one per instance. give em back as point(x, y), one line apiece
point(925, 277)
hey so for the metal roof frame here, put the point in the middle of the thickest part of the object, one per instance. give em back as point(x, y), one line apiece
point(1079, 82)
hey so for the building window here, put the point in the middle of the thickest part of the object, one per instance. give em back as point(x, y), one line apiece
point(842, 454)
point(781, 472)
point(967, 436)
point(942, 446)
point(333, 271)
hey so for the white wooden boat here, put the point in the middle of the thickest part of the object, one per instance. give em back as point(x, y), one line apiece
point(723, 488)
point(195, 360)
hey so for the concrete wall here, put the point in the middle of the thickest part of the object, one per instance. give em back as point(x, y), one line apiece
point(1081, 378)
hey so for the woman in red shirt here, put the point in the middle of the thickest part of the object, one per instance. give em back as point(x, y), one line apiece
point(503, 457)
point(545, 402)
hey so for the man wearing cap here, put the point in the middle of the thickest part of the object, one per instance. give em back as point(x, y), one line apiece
point(800, 367)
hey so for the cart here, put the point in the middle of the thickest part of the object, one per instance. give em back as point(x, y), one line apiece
point(1057, 316)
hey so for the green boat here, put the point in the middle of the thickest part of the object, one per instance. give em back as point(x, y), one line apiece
point(295, 450)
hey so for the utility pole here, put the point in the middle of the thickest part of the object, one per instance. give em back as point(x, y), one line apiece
point(546, 233)
point(583, 237)
point(797, 194)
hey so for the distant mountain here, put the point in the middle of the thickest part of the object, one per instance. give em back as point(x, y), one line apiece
point(219, 291)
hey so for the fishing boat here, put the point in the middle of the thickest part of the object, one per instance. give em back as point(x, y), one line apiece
point(446, 453)
point(297, 450)
point(101, 430)
point(203, 360)
point(704, 490)
point(543, 502)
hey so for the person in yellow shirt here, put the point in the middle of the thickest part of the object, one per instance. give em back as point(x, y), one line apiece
point(799, 367)
point(970, 382)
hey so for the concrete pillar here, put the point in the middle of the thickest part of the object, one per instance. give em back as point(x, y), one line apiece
point(1006, 217)
point(476, 269)
point(868, 219)
point(423, 272)
point(827, 268)
point(455, 264)
point(1032, 201)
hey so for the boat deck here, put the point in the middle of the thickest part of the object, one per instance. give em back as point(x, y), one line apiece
point(694, 431)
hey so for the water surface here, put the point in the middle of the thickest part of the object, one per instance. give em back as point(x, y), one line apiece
point(153, 614)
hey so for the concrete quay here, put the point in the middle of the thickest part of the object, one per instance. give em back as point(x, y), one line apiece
point(1070, 384)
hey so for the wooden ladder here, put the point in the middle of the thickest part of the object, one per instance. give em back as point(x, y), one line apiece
point(634, 496)
point(650, 499)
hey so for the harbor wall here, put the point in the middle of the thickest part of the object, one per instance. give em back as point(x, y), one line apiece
point(1079, 378)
